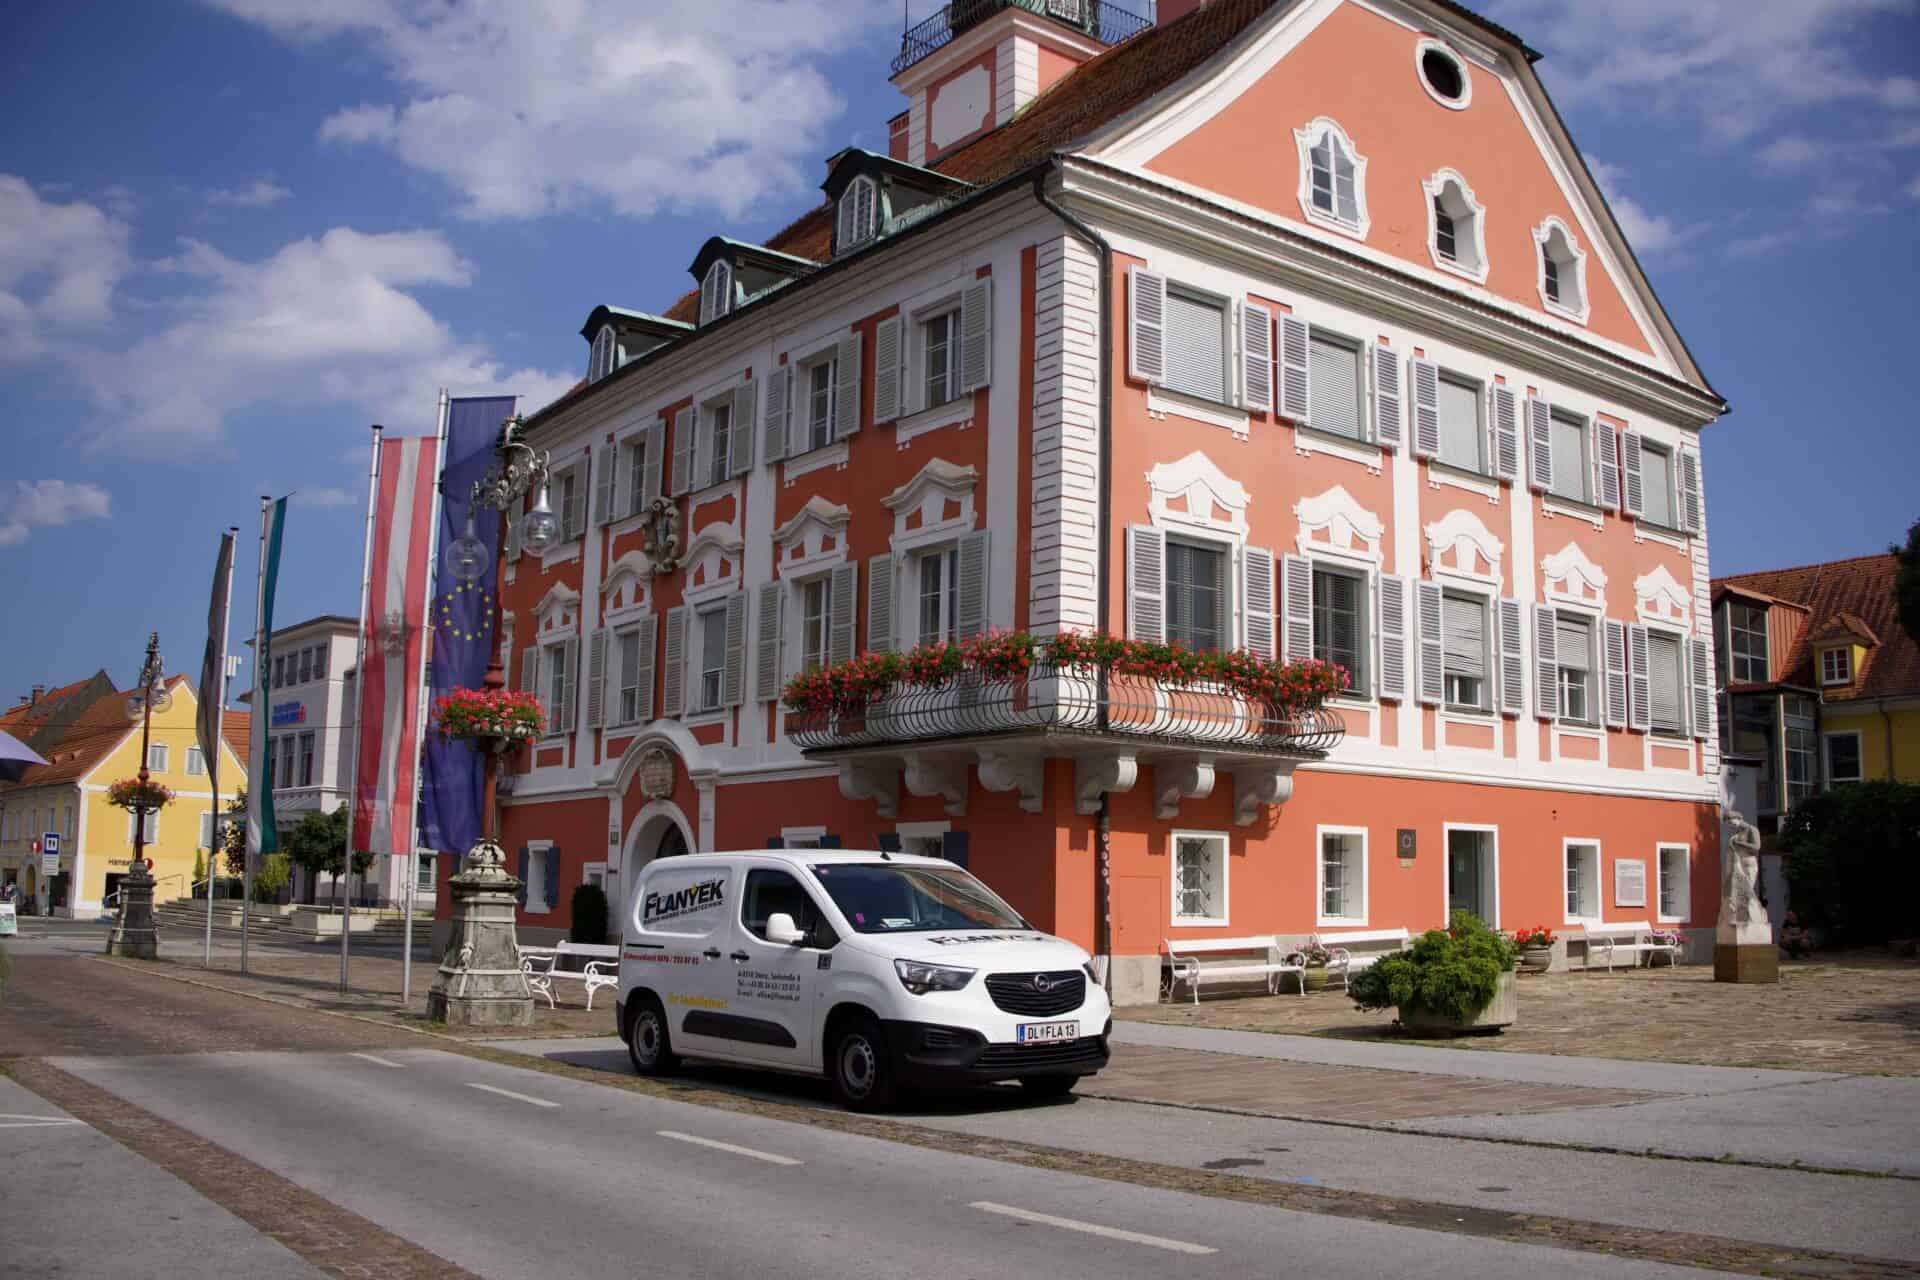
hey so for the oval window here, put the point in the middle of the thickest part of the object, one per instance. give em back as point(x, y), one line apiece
point(1442, 74)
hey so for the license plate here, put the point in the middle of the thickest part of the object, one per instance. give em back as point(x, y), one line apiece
point(1036, 1032)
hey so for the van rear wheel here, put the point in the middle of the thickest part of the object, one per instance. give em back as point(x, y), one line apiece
point(648, 1042)
point(861, 1069)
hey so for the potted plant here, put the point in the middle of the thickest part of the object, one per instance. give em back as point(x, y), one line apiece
point(1453, 980)
point(131, 794)
point(493, 720)
point(1536, 948)
point(1316, 958)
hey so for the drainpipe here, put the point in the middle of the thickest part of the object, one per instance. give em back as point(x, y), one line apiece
point(1103, 825)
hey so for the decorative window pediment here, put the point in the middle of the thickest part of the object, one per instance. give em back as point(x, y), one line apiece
point(1333, 178)
point(1458, 544)
point(558, 610)
point(1456, 226)
point(1195, 492)
point(1572, 578)
point(628, 588)
point(1333, 523)
point(713, 559)
point(1659, 597)
point(940, 496)
point(816, 534)
point(1561, 267)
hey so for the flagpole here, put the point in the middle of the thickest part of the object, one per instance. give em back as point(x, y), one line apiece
point(220, 740)
point(360, 703)
point(257, 723)
point(420, 724)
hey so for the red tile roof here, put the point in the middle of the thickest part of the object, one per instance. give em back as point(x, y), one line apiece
point(1844, 599)
point(100, 729)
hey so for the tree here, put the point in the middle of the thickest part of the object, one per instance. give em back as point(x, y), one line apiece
point(1906, 583)
point(234, 836)
point(317, 845)
point(275, 870)
point(589, 915)
point(1853, 860)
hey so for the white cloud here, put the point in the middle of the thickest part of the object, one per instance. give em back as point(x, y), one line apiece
point(323, 496)
point(47, 504)
point(261, 193)
point(1787, 154)
point(1650, 234)
point(59, 265)
point(1913, 188)
point(1759, 246)
point(529, 108)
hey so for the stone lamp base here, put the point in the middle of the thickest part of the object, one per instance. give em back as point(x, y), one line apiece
point(480, 982)
point(135, 933)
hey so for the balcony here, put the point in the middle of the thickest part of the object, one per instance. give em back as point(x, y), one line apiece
point(1108, 23)
point(1110, 725)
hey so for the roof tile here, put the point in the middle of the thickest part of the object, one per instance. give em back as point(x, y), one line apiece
point(1844, 598)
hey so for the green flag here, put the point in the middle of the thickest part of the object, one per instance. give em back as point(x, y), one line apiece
point(262, 838)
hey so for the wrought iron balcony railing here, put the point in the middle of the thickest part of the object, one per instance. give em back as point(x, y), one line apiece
point(1070, 700)
point(1108, 23)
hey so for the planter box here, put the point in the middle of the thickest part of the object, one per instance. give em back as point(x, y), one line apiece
point(1498, 1015)
point(326, 924)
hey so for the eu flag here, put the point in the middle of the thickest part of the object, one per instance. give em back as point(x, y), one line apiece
point(463, 637)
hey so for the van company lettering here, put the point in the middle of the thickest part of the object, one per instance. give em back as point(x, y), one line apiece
point(683, 902)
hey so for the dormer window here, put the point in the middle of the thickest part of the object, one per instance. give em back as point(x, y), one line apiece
point(859, 215)
point(1836, 665)
point(716, 291)
point(1333, 177)
point(1457, 237)
point(600, 363)
point(1563, 271)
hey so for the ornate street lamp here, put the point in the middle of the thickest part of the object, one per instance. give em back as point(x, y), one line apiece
point(134, 931)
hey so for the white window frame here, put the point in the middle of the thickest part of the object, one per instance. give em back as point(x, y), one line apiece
point(708, 613)
point(306, 755)
point(920, 345)
point(1356, 883)
point(553, 655)
point(630, 464)
point(927, 839)
point(1845, 654)
point(1567, 846)
point(1362, 383)
point(1679, 639)
point(1225, 854)
point(801, 586)
point(601, 358)
point(827, 358)
point(861, 232)
point(1446, 867)
point(537, 851)
point(151, 823)
point(207, 826)
point(706, 456)
point(1734, 658)
point(1589, 481)
point(1489, 653)
point(947, 553)
point(1475, 217)
point(425, 873)
point(1229, 396)
point(1483, 467)
point(618, 673)
point(1859, 752)
point(1575, 258)
point(1363, 681)
point(1596, 668)
point(157, 757)
point(1428, 45)
point(1229, 552)
point(802, 837)
point(1305, 140)
point(1660, 881)
point(1674, 497)
point(196, 762)
point(716, 291)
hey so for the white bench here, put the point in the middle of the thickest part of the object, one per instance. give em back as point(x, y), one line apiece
point(1633, 939)
point(1344, 962)
point(1185, 962)
point(542, 966)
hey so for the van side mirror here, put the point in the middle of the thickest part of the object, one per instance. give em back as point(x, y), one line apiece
point(781, 930)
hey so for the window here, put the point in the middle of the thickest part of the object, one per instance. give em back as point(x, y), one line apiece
point(1462, 437)
point(1656, 479)
point(1836, 665)
point(306, 666)
point(1463, 629)
point(820, 394)
point(286, 761)
point(1583, 881)
point(937, 595)
point(720, 440)
point(816, 610)
point(856, 220)
point(1332, 178)
point(1802, 772)
point(1196, 595)
point(206, 830)
point(1197, 346)
point(1562, 271)
point(713, 657)
point(1572, 469)
point(157, 757)
point(1334, 377)
point(1343, 875)
point(1458, 239)
point(1747, 643)
point(196, 762)
point(1675, 890)
point(1843, 758)
point(306, 759)
point(423, 880)
point(635, 451)
point(568, 485)
point(1573, 651)
point(280, 672)
point(1445, 239)
point(1665, 687)
point(600, 360)
point(1199, 878)
point(149, 826)
point(940, 345)
point(1340, 622)
point(770, 893)
point(627, 655)
point(1443, 75)
point(554, 673)
point(716, 291)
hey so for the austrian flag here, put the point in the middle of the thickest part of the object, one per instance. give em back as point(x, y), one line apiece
point(393, 640)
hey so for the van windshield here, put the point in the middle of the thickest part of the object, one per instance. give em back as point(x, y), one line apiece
point(880, 898)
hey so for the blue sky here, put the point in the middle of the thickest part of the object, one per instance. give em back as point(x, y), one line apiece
point(235, 232)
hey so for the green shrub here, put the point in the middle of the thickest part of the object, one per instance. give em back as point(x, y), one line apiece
point(1853, 860)
point(589, 915)
point(276, 869)
point(1451, 972)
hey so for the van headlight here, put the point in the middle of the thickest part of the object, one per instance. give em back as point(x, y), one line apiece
point(1093, 978)
point(921, 978)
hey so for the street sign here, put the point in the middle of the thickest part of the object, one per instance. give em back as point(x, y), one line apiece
point(9, 922)
point(50, 854)
point(50, 843)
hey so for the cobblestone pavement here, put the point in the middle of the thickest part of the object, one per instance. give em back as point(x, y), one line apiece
point(1852, 1012)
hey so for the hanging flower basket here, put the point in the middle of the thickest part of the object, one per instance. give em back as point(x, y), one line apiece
point(131, 794)
point(492, 719)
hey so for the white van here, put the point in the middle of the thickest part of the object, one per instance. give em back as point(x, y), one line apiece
point(883, 970)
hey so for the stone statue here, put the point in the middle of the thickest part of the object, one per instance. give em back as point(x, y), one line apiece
point(1740, 905)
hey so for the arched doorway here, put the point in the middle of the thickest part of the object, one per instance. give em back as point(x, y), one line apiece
point(660, 830)
point(673, 843)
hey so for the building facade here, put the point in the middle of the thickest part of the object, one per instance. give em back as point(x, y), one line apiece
point(1298, 328)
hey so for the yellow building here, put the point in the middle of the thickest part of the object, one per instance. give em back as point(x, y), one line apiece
point(68, 796)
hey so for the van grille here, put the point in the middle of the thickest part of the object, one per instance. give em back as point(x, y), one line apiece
point(1084, 1054)
point(1066, 990)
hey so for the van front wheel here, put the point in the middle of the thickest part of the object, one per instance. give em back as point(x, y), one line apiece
point(648, 1043)
point(862, 1072)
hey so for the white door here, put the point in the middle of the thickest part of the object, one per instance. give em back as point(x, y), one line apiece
point(776, 984)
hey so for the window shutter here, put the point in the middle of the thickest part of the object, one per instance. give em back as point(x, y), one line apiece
point(1506, 434)
point(1630, 451)
point(1690, 491)
point(1296, 374)
point(596, 678)
point(976, 336)
point(845, 589)
point(779, 397)
point(1426, 409)
point(767, 674)
point(880, 604)
point(1393, 637)
point(553, 877)
point(1609, 454)
point(673, 698)
point(1432, 659)
point(651, 468)
point(1146, 325)
point(643, 678)
point(1257, 591)
point(1513, 666)
point(1387, 410)
point(1256, 357)
point(1638, 692)
point(682, 450)
point(513, 533)
point(971, 614)
point(574, 518)
point(1614, 659)
point(1296, 601)
point(733, 678)
point(570, 663)
point(846, 394)
point(530, 676)
point(1700, 676)
point(1146, 583)
point(603, 483)
point(887, 372)
point(1539, 444)
point(1546, 646)
point(740, 439)
point(844, 234)
point(625, 500)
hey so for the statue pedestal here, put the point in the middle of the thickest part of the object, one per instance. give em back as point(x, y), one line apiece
point(1746, 962)
point(135, 933)
point(480, 982)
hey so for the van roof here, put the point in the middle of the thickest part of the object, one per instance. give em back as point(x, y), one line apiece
point(824, 856)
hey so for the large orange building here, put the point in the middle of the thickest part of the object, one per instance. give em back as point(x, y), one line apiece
point(1299, 327)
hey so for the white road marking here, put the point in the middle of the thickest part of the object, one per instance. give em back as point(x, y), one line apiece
point(768, 1156)
point(1091, 1228)
point(508, 1093)
point(374, 1057)
point(35, 1122)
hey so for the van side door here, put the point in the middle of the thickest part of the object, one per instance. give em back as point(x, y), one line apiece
point(686, 911)
point(777, 985)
